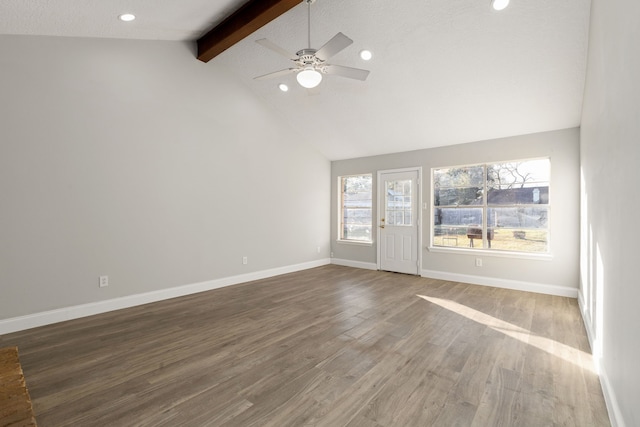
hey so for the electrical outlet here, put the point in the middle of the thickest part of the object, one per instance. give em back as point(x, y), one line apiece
point(318, 249)
point(103, 281)
point(245, 260)
point(331, 254)
point(478, 262)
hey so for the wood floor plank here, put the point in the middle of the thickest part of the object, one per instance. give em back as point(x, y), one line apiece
point(392, 401)
point(330, 346)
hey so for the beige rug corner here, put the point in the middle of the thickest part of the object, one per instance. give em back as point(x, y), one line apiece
point(15, 404)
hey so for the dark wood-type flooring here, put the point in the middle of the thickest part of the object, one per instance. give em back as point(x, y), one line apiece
point(330, 346)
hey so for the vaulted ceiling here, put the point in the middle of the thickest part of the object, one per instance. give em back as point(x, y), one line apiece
point(442, 72)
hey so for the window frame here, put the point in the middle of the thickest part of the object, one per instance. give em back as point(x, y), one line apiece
point(341, 208)
point(485, 206)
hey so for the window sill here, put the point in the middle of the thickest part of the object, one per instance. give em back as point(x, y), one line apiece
point(491, 253)
point(355, 242)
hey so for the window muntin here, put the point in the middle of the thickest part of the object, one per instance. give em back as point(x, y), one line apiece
point(514, 212)
point(356, 208)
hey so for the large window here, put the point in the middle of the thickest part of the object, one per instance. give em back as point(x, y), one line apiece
point(498, 206)
point(355, 208)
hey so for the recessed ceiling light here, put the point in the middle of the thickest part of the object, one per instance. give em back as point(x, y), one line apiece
point(127, 17)
point(366, 54)
point(499, 4)
point(283, 87)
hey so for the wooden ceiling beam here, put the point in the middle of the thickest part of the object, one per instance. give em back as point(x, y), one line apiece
point(250, 17)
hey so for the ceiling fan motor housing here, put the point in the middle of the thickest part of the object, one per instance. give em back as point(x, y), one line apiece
point(307, 58)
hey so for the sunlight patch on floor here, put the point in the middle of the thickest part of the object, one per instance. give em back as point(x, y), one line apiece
point(555, 348)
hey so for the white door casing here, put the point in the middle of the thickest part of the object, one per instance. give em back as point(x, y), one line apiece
point(399, 220)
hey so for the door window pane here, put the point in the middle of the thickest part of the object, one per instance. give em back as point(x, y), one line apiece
point(398, 203)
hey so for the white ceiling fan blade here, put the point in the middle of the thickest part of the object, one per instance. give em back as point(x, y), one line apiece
point(275, 74)
point(351, 73)
point(274, 47)
point(333, 46)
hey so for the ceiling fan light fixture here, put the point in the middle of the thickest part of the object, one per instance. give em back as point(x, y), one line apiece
point(309, 77)
point(499, 4)
point(366, 54)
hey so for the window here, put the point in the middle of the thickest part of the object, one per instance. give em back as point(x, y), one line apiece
point(355, 208)
point(497, 206)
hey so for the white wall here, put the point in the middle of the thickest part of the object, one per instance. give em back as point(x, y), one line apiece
point(610, 158)
point(135, 160)
point(558, 275)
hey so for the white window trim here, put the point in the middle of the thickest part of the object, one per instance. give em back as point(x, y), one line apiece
point(355, 242)
point(545, 256)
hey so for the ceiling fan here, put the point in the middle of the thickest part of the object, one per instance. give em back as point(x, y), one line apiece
point(311, 63)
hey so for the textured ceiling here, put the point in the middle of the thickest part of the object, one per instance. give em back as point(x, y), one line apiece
point(157, 19)
point(443, 72)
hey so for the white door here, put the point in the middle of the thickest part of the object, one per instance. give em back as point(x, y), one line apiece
point(398, 225)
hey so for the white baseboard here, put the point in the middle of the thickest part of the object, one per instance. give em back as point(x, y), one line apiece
point(354, 264)
point(517, 285)
point(615, 415)
point(74, 312)
point(586, 319)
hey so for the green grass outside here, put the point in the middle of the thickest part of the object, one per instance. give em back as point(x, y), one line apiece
point(503, 239)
